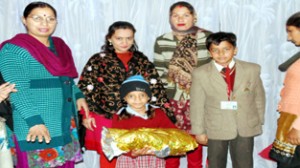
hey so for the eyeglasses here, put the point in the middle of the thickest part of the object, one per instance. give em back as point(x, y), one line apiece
point(40, 19)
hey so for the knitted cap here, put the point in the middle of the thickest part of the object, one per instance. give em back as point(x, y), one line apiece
point(135, 83)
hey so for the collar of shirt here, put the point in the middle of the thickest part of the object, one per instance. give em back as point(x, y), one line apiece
point(132, 112)
point(220, 67)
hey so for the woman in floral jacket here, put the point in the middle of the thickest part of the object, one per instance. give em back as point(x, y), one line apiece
point(103, 75)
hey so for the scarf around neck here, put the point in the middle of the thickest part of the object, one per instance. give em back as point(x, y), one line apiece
point(61, 64)
point(183, 62)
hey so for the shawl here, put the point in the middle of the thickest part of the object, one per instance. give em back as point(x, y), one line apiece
point(61, 64)
point(183, 62)
point(103, 75)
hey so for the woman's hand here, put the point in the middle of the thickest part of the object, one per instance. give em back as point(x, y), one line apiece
point(6, 89)
point(38, 131)
point(294, 136)
point(82, 104)
point(88, 121)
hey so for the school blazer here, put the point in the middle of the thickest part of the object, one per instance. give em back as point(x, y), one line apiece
point(209, 89)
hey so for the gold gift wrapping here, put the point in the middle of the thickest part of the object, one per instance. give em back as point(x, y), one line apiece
point(179, 142)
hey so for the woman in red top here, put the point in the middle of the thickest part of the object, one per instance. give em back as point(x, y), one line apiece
point(103, 75)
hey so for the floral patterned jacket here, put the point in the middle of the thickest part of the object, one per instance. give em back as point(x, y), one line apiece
point(103, 75)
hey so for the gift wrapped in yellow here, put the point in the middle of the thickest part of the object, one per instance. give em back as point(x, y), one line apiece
point(164, 142)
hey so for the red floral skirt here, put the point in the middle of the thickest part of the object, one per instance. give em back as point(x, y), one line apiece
point(181, 109)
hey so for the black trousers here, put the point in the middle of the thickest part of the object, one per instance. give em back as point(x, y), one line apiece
point(240, 148)
point(295, 162)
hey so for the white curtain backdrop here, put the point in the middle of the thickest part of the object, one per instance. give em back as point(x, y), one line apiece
point(258, 24)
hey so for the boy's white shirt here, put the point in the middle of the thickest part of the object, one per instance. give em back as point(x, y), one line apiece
point(220, 67)
point(227, 105)
point(132, 112)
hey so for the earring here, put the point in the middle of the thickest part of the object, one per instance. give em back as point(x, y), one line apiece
point(195, 20)
point(110, 43)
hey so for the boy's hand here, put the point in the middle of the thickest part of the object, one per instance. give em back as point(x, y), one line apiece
point(202, 139)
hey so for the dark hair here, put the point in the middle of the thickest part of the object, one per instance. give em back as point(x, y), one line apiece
point(37, 4)
point(125, 115)
point(294, 20)
point(182, 3)
point(111, 31)
point(217, 38)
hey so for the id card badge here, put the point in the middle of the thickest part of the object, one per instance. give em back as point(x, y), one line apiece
point(229, 105)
